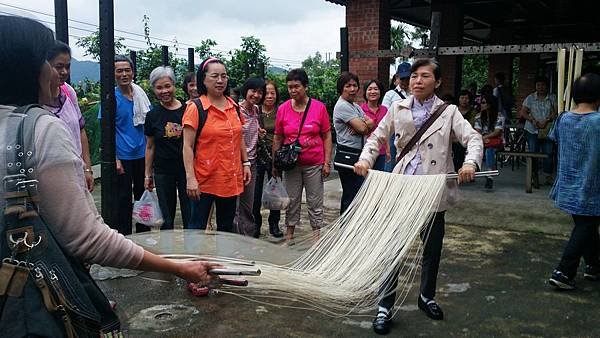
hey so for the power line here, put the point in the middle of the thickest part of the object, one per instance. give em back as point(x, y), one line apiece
point(174, 41)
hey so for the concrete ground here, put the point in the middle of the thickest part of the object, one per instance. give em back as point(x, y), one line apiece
point(499, 250)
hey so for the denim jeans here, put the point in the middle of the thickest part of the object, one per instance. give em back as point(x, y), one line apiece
point(168, 187)
point(584, 242)
point(389, 166)
point(490, 158)
point(380, 163)
point(225, 211)
point(546, 146)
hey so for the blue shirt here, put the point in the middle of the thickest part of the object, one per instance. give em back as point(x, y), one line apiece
point(130, 140)
point(577, 186)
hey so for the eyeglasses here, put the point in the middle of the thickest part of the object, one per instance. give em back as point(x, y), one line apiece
point(216, 76)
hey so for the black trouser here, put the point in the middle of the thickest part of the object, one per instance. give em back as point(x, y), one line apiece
point(274, 215)
point(168, 186)
point(351, 183)
point(433, 238)
point(584, 241)
point(458, 155)
point(225, 211)
point(132, 180)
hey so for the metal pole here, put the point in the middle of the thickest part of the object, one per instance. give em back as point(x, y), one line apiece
point(345, 52)
point(133, 57)
point(61, 20)
point(436, 24)
point(191, 66)
point(448, 176)
point(107, 89)
point(165, 55)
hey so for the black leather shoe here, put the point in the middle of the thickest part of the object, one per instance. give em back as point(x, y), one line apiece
point(274, 230)
point(431, 309)
point(256, 233)
point(382, 323)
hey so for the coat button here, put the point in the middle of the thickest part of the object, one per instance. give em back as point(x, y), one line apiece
point(430, 146)
point(433, 162)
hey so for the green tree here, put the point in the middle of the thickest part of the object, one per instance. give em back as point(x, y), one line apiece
point(474, 70)
point(322, 79)
point(247, 61)
point(206, 49)
point(91, 44)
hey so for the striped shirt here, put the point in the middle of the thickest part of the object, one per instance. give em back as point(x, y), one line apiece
point(250, 130)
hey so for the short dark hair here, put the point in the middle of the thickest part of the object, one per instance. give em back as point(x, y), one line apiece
point(272, 83)
point(25, 44)
point(201, 75)
point(253, 83)
point(297, 74)
point(541, 78)
point(586, 89)
point(464, 92)
point(437, 70)
point(393, 80)
point(58, 48)
point(379, 85)
point(124, 58)
point(344, 78)
point(500, 77)
point(189, 77)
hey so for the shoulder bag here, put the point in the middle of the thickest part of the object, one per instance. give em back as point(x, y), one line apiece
point(287, 155)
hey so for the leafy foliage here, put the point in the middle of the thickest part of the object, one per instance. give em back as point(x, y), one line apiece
point(91, 44)
point(247, 61)
point(474, 70)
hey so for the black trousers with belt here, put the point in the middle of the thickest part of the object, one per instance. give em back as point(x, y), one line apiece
point(433, 238)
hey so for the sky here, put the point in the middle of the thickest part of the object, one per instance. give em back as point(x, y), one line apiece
point(291, 30)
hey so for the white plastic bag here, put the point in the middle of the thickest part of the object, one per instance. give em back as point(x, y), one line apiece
point(147, 210)
point(275, 196)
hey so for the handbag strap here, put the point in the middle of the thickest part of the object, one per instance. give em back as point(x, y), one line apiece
point(437, 113)
point(303, 119)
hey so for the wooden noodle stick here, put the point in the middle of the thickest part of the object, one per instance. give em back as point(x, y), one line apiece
point(577, 72)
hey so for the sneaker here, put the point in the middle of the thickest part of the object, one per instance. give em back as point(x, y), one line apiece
point(591, 273)
point(382, 322)
point(560, 281)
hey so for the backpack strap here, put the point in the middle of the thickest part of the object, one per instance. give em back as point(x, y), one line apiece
point(400, 93)
point(21, 154)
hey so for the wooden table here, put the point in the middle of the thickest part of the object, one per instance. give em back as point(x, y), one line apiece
point(529, 158)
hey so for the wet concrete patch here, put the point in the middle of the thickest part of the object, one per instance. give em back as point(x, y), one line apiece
point(163, 318)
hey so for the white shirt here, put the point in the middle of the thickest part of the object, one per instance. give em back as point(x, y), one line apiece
point(391, 96)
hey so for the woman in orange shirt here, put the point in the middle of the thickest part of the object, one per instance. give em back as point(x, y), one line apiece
point(216, 163)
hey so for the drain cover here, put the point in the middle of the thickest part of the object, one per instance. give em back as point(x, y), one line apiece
point(162, 318)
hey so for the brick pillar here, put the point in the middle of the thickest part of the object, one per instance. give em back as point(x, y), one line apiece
point(528, 69)
point(451, 34)
point(368, 23)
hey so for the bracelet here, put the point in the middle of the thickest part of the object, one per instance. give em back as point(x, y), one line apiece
point(148, 177)
point(246, 163)
point(88, 170)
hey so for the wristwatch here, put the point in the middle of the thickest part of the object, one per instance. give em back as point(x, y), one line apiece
point(88, 170)
point(471, 163)
point(246, 163)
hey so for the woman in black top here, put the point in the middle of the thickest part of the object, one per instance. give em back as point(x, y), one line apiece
point(164, 157)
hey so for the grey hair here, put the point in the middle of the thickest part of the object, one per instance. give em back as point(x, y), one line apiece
point(160, 72)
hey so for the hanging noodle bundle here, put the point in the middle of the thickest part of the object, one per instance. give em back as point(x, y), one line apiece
point(342, 273)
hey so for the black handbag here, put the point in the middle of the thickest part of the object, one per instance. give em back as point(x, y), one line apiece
point(43, 290)
point(345, 155)
point(287, 155)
